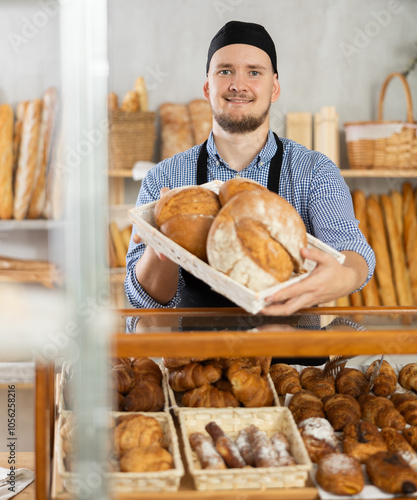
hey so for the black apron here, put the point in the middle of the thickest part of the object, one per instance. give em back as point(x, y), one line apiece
point(196, 293)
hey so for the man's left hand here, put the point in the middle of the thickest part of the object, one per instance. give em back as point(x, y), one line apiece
point(328, 281)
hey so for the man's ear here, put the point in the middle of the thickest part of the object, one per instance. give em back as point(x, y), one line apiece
point(206, 93)
point(276, 89)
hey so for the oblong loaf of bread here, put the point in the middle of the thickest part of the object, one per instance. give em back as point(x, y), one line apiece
point(256, 239)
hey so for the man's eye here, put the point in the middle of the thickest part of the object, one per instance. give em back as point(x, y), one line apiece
point(254, 73)
point(224, 72)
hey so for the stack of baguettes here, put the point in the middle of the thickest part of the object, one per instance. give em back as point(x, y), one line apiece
point(28, 186)
point(119, 240)
point(183, 126)
point(389, 223)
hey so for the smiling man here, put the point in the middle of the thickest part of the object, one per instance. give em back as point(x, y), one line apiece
point(241, 84)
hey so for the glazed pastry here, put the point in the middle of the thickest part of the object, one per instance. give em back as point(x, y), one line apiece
point(313, 379)
point(263, 451)
point(386, 380)
point(341, 409)
point(136, 430)
point(362, 439)
point(406, 404)
point(285, 378)
point(395, 441)
point(391, 473)
point(225, 446)
point(408, 376)
point(194, 375)
point(410, 434)
point(208, 396)
point(251, 389)
point(146, 459)
point(381, 412)
point(123, 377)
point(340, 474)
point(319, 437)
point(206, 452)
point(146, 368)
point(281, 445)
point(352, 382)
point(304, 405)
point(145, 396)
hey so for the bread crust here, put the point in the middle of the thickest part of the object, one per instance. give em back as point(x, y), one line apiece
point(6, 161)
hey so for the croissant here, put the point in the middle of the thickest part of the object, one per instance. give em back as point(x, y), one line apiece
point(381, 412)
point(352, 382)
point(123, 377)
point(194, 375)
point(179, 362)
point(304, 405)
point(386, 380)
point(151, 458)
point(313, 379)
point(208, 396)
point(396, 441)
point(406, 404)
point(410, 434)
point(263, 362)
point(341, 409)
point(251, 389)
point(408, 376)
point(391, 473)
point(362, 439)
point(146, 368)
point(145, 396)
point(285, 378)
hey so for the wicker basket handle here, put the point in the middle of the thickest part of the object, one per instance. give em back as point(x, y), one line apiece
point(407, 96)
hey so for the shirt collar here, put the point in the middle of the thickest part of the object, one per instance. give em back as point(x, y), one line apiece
point(265, 155)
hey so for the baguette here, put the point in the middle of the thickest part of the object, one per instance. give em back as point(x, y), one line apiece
point(6, 161)
point(118, 244)
point(126, 234)
point(410, 236)
point(397, 203)
point(26, 167)
point(140, 89)
point(56, 181)
point(402, 282)
point(37, 201)
point(130, 103)
point(20, 115)
point(379, 244)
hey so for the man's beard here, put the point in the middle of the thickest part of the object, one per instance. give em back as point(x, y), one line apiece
point(240, 125)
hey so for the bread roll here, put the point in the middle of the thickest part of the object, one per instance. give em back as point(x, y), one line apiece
point(38, 198)
point(130, 103)
point(256, 239)
point(112, 101)
point(26, 167)
point(6, 161)
point(201, 119)
point(378, 241)
point(176, 131)
point(410, 236)
point(185, 216)
point(402, 283)
point(140, 89)
point(234, 186)
point(20, 115)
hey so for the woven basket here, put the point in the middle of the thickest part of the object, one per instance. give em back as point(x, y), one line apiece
point(131, 138)
point(384, 144)
point(232, 421)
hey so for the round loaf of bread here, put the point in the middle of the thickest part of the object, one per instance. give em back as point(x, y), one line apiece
point(185, 215)
point(234, 186)
point(256, 239)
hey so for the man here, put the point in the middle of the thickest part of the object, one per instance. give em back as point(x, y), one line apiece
point(241, 84)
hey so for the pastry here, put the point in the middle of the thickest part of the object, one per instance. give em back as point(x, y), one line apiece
point(319, 437)
point(406, 404)
point(313, 379)
point(285, 378)
point(352, 382)
point(362, 439)
point(132, 431)
point(206, 453)
point(341, 409)
point(245, 449)
point(151, 458)
point(305, 405)
point(146, 395)
point(281, 446)
point(251, 389)
point(225, 446)
point(410, 434)
point(407, 376)
point(395, 441)
point(340, 474)
point(123, 377)
point(391, 473)
point(263, 451)
point(208, 396)
point(386, 380)
point(179, 362)
point(130, 102)
point(146, 368)
point(381, 412)
point(194, 375)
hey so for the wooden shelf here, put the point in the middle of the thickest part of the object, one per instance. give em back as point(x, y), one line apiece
point(35, 224)
point(378, 173)
point(126, 173)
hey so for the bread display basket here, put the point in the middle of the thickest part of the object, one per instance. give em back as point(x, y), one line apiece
point(252, 302)
point(232, 421)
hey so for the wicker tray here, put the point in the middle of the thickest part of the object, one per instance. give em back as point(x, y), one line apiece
point(175, 397)
point(249, 300)
point(120, 482)
point(231, 421)
point(131, 138)
point(384, 144)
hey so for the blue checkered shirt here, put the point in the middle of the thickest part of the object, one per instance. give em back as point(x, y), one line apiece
point(309, 181)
